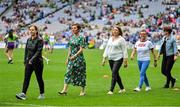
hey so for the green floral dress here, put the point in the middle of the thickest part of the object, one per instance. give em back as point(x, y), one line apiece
point(76, 69)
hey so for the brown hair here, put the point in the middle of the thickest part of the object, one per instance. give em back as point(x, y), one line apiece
point(120, 30)
point(168, 29)
point(143, 31)
point(77, 25)
point(36, 28)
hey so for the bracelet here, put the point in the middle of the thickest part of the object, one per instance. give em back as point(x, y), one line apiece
point(75, 55)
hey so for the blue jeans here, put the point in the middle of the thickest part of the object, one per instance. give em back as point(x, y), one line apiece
point(143, 65)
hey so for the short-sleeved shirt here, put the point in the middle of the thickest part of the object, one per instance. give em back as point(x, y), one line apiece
point(143, 50)
point(76, 69)
point(11, 40)
point(75, 43)
point(51, 39)
point(46, 37)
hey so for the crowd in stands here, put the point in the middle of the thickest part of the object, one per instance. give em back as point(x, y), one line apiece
point(153, 23)
point(4, 4)
point(26, 11)
point(170, 2)
point(98, 16)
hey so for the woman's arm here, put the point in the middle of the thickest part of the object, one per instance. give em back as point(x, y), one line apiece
point(155, 60)
point(103, 61)
point(160, 48)
point(38, 52)
point(125, 53)
point(67, 59)
point(25, 53)
point(133, 53)
point(79, 52)
point(105, 54)
point(82, 45)
point(175, 49)
point(76, 55)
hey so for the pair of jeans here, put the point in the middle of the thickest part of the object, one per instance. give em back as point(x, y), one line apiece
point(143, 65)
point(115, 66)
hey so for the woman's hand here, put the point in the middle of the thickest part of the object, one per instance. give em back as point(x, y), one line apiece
point(132, 57)
point(158, 56)
point(125, 63)
point(72, 57)
point(103, 62)
point(175, 57)
point(155, 63)
point(133, 53)
point(66, 62)
point(30, 63)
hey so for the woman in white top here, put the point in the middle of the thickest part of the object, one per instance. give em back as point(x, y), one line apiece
point(143, 47)
point(116, 52)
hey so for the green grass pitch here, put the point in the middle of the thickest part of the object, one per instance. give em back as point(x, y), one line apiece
point(11, 79)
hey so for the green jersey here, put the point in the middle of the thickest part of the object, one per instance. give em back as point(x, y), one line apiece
point(46, 37)
point(11, 39)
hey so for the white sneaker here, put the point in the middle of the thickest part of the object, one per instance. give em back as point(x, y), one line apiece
point(47, 61)
point(122, 91)
point(148, 89)
point(21, 96)
point(41, 96)
point(110, 93)
point(82, 94)
point(137, 89)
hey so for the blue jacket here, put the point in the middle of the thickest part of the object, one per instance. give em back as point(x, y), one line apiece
point(171, 46)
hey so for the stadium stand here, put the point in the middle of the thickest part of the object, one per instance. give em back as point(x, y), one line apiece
point(96, 16)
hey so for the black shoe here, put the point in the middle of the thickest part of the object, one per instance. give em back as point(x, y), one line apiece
point(173, 83)
point(166, 86)
point(21, 96)
point(10, 61)
point(62, 93)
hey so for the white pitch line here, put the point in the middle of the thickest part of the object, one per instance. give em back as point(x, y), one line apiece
point(22, 104)
point(34, 105)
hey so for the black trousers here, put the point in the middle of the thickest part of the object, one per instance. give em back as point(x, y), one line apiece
point(115, 66)
point(29, 68)
point(167, 64)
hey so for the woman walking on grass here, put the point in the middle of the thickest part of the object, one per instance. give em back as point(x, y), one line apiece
point(168, 49)
point(116, 52)
point(33, 61)
point(143, 48)
point(76, 65)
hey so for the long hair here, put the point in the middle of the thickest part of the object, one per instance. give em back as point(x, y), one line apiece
point(36, 28)
point(10, 34)
point(120, 31)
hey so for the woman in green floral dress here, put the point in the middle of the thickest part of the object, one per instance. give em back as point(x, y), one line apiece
point(76, 65)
